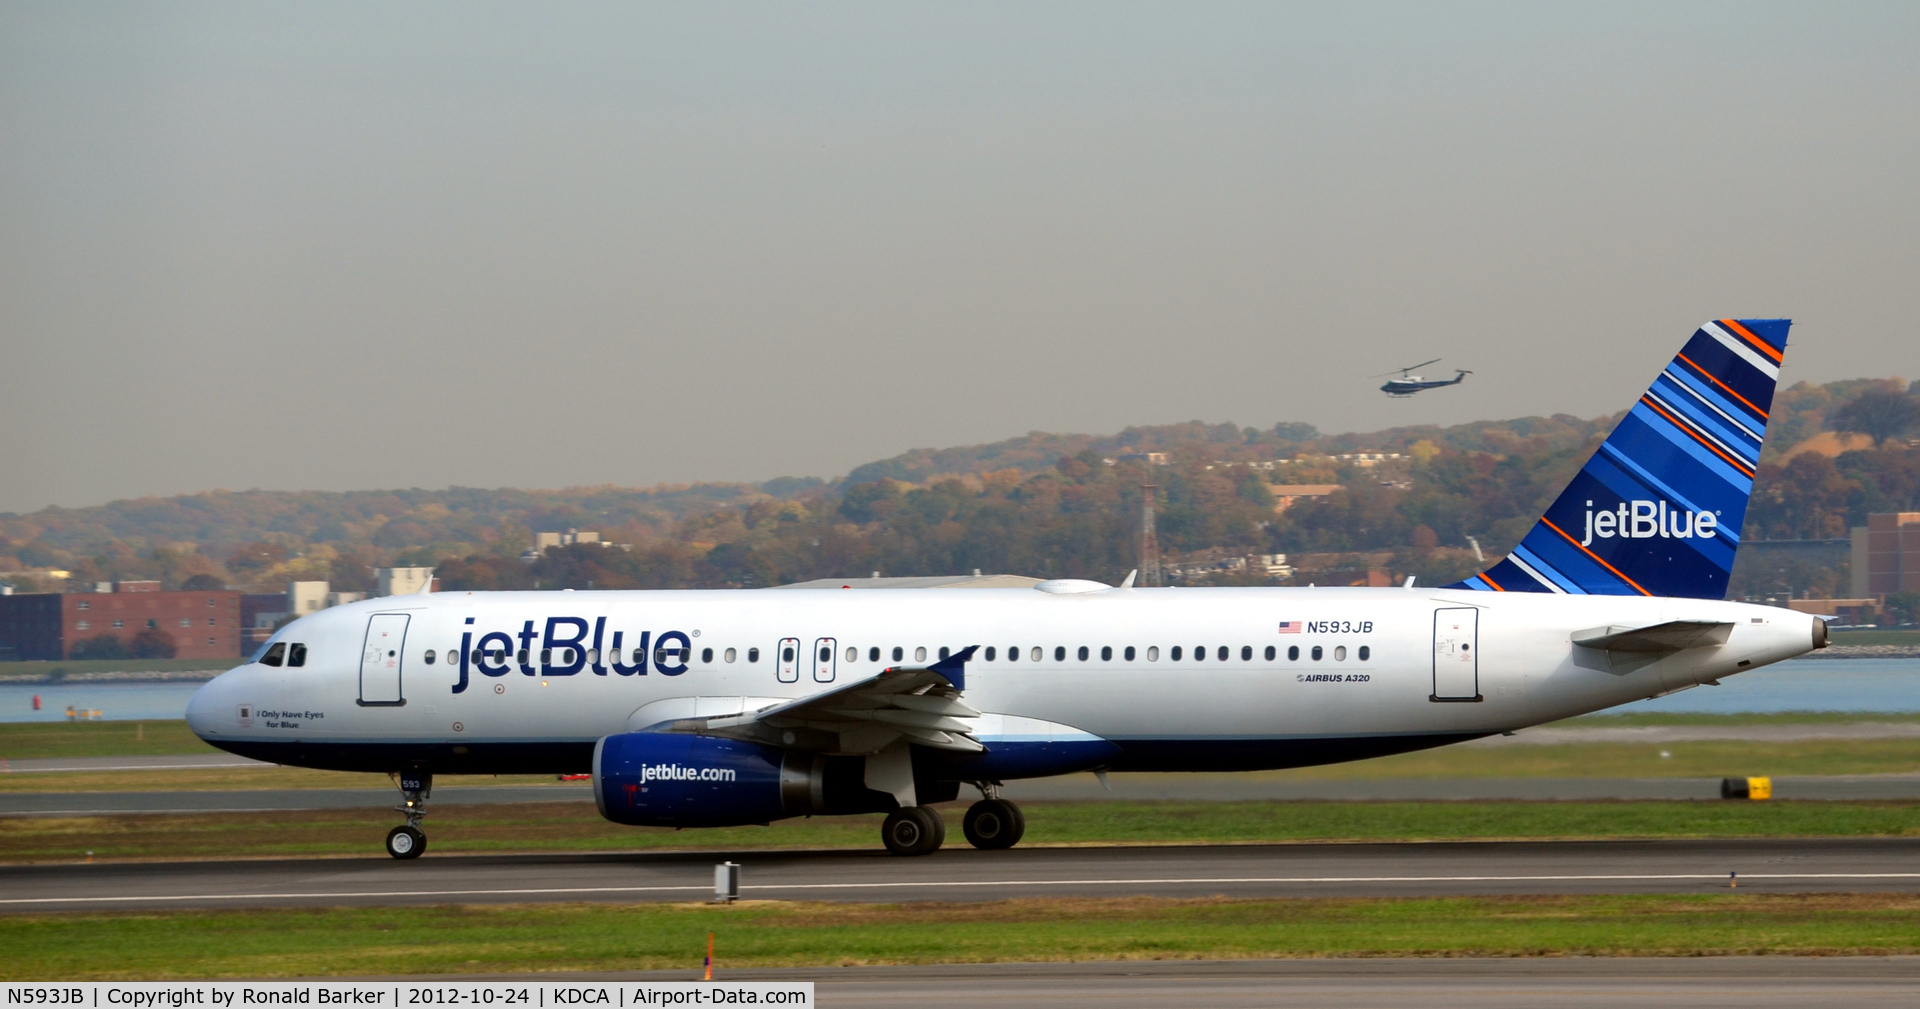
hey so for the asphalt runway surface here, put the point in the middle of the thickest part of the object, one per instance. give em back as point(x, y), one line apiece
point(1521, 983)
point(960, 873)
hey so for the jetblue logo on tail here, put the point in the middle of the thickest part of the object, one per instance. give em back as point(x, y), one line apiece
point(1647, 519)
point(1657, 510)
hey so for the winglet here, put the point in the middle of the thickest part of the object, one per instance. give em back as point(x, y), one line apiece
point(426, 586)
point(954, 667)
point(1130, 577)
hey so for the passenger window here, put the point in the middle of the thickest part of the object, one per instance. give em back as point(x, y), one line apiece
point(1013, 653)
point(753, 655)
point(1269, 653)
point(1083, 653)
point(826, 654)
point(730, 654)
point(452, 656)
point(1200, 654)
point(1223, 653)
point(1128, 653)
point(276, 654)
point(944, 653)
point(1153, 653)
point(1034, 654)
point(593, 657)
point(786, 655)
point(429, 657)
point(1316, 653)
point(706, 655)
point(1293, 653)
point(853, 654)
point(546, 656)
point(1340, 653)
point(1059, 653)
point(898, 654)
point(1365, 653)
point(990, 653)
point(1106, 653)
point(296, 655)
point(1175, 654)
point(920, 654)
point(873, 654)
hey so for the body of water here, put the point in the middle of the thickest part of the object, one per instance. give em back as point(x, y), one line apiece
point(1888, 685)
point(114, 701)
point(1812, 685)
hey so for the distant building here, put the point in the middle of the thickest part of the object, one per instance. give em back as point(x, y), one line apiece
point(1886, 555)
point(541, 541)
point(47, 625)
point(400, 581)
point(1286, 494)
point(306, 597)
point(1850, 611)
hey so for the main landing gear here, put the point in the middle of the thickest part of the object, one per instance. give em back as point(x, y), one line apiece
point(991, 824)
point(408, 840)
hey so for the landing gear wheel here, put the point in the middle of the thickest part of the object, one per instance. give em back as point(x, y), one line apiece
point(406, 841)
point(915, 830)
point(992, 824)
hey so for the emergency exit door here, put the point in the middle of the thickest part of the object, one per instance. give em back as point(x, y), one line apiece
point(1456, 654)
point(824, 661)
point(381, 659)
point(788, 659)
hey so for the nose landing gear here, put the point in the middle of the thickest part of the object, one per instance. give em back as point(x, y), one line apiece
point(408, 840)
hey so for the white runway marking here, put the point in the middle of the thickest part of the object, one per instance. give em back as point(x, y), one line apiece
point(924, 884)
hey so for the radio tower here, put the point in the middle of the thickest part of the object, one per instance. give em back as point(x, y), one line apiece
point(1149, 543)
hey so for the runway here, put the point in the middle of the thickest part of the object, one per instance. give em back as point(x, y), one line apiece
point(960, 873)
point(1519, 983)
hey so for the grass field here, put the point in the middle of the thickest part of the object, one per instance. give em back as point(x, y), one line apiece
point(32, 740)
point(1703, 758)
point(604, 937)
point(577, 826)
point(1639, 718)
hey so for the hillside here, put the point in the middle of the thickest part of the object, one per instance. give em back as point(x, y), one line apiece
point(1042, 504)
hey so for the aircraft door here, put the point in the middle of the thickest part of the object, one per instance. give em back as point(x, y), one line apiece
point(1456, 658)
point(824, 660)
point(380, 660)
point(788, 657)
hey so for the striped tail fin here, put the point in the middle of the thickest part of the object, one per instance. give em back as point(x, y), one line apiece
point(1657, 511)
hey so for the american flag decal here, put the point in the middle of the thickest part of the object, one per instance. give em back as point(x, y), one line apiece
point(1289, 626)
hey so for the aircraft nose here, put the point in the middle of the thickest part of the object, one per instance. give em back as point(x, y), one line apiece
point(205, 707)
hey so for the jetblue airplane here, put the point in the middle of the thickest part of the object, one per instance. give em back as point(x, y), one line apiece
point(723, 708)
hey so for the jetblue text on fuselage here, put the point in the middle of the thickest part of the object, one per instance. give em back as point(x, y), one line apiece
point(580, 645)
point(1646, 520)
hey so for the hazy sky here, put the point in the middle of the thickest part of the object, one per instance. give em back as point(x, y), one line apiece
point(340, 246)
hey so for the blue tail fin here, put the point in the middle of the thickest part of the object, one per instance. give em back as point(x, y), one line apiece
point(1657, 510)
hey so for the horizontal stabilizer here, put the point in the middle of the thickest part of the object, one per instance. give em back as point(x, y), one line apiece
point(1672, 636)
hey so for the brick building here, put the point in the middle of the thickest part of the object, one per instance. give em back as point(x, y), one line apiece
point(1886, 555)
point(203, 625)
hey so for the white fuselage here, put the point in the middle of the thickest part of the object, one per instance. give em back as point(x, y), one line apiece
point(1512, 665)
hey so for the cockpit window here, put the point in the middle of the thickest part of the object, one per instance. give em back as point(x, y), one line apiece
point(276, 654)
point(297, 655)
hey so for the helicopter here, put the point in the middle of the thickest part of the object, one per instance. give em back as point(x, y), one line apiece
point(1406, 385)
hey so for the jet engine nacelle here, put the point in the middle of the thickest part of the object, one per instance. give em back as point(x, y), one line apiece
point(673, 779)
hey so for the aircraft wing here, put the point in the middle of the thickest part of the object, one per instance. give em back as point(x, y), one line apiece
point(1672, 636)
point(918, 704)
